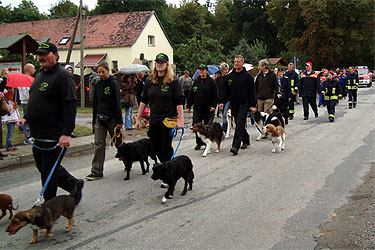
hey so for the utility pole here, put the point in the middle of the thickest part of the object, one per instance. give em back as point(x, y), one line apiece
point(82, 68)
point(73, 36)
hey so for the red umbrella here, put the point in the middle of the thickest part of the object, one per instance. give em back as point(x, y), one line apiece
point(16, 80)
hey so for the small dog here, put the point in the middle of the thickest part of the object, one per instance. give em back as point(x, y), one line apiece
point(230, 121)
point(209, 133)
point(171, 171)
point(45, 215)
point(278, 136)
point(6, 203)
point(136, 151)
point(262, 119)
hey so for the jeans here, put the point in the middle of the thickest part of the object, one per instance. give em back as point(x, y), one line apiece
point(128, 117)
point(10, 127)
point(225, 122)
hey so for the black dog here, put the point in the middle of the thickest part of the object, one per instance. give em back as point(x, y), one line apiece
point(262, 119)
point(171, 171)
point(135, 151)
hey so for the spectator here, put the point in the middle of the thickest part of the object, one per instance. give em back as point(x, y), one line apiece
point(186, 83)
point(144, 60)
point(29, 69)
point(266, 87)
point(220, 81)
point(93, 80)
point(10, 119)
point(128, 90)
point(106, 116)
point(140, 85)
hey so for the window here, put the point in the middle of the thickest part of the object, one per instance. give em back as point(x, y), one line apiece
point(44, 40)
point(151, 41)
point(64, 40)
point(114, 65)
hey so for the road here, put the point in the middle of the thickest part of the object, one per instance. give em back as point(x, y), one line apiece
point(255, 200)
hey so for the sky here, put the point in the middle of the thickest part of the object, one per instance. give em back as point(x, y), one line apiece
point(45, 5)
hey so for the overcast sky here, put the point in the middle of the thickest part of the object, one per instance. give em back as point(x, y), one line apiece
point(45, 5)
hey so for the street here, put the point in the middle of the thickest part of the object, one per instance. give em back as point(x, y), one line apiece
point(255, 200)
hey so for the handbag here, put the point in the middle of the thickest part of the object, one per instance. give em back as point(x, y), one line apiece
point(170, 122)
point(4, 107)
point(125, 103)
point(103, 118)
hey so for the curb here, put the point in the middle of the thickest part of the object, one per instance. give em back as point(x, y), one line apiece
point(29, 158)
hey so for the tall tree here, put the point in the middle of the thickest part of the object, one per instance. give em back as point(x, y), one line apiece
point(222, 25)
point(64, 8)
point(5, 13)
point(26, 11)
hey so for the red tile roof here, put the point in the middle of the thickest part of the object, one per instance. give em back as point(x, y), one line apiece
point(277, 61)
point(91, 60)
point(112, 30)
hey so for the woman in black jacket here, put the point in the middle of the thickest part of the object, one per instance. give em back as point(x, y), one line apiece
point(162, 91)
point(106, 117)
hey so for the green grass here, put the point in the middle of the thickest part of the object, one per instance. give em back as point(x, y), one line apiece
point(18, 136)
point(84, 110)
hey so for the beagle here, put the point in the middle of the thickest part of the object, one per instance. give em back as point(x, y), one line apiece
point(278, 136)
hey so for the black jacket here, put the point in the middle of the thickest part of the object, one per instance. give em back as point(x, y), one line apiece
point(293, 80)
point(220, 81)
point(285, 89)
point(331, 90)
point(107, 100)
point(203, 94)
point(239, 89)
point(353, 81)
point(309, 84)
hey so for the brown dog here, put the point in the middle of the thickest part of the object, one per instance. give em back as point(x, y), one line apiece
point(45, 215)
point(6, 203)
point(278, 137)
point(209, 133)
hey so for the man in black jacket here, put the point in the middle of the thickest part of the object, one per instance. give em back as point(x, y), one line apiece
point(309, 88)
point(240, 91)
point(51, 113)
point(203, 95)
point(292, 76)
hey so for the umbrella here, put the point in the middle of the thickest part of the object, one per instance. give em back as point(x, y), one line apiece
point(16, 80)
point(212, 69)
point(134, 69)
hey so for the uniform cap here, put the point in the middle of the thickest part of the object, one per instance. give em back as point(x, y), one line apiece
point(45, 48)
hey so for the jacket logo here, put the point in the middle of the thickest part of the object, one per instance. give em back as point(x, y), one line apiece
point(164, 88)
point(230, 82)
point(43, 86)
point(107, 90)
point(195, 89)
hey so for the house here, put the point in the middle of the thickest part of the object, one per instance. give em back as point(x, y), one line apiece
point(277, 61)
point(116, 38)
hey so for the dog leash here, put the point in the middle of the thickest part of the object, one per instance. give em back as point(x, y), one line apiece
point(117, 135)
point(30, 140)
point(212, 118)
point(255, 124)
point(173, 133)
point(40, 198)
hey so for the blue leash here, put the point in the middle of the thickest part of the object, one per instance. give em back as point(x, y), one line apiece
point(31, 140)
point(40, 198)
point(173, 133)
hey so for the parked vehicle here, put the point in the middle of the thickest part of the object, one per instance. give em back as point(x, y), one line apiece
point(364, 75)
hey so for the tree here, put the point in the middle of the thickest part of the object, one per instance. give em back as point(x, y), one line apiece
point(64, 8)
point(26, 11)
point(193, 52)
point(224, 31)
point(5, 14)
point(259, 49)
point(244, 49)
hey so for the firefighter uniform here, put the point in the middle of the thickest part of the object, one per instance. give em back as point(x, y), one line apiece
point(352, 87)
point(294, 83)
point(342, 80)
point(332, 92)
point(322, 78)
point(309, 88)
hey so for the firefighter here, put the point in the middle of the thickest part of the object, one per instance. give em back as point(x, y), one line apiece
point(331, 92)
point(342, 80)
point(322, 78)
point(309, 88)
point(352, 87)
point(293, 79)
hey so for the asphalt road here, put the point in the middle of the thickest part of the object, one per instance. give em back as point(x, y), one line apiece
point(255, 200)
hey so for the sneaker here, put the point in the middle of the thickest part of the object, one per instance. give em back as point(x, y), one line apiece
point(92, 177)
point(245, 145)
point(78, 196)
point(164, 185)
point(234, 151)
point(305, 118)
point(2, 155)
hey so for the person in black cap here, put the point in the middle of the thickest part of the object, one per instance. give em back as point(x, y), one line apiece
point(51, 112)
point(162, 91)
point(203, 95)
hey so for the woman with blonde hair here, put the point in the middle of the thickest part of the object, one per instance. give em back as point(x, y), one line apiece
point(163, 93)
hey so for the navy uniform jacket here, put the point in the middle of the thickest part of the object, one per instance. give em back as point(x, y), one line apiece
point(293, 80)
point(309, 84)
point(331, 90)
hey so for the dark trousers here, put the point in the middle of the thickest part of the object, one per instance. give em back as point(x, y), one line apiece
point(352, 97)
point(291, 106)
point(44, 161)
point(186, 94)
point(284, 110)
point(239, 113)
point(161, 141)
point(306, 101)
point(204, 117)
point(331, 108)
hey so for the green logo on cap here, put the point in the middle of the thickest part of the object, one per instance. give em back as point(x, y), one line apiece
point(202, 66)
point(43, 46)
point(160, 56)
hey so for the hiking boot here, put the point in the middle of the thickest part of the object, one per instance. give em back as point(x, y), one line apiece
point(291, 117)
point(331, 119)
point(245, 145)
point(234, 151)
point(305, 118)
point(92, 177)
point(78, 196)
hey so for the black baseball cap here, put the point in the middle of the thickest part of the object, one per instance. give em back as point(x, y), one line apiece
point(162, 57)
point(203, 66)
point(45, 48)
